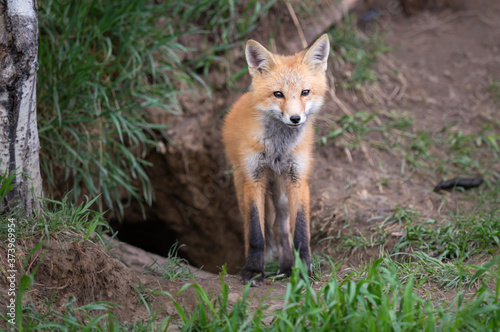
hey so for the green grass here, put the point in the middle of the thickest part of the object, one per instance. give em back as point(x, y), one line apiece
point(401, 215)
point(69, 222)
point(375, 237)
point(470, 231)
point(353, 129)
point(354, 242)
point(391, 294)
point(96, 316)
point(449, 152)
point(441, 274)
point(384, 297)
point(443, 255)
point(6, 186)
point(230, 21)
point(355, 54)
point(174, 267)
point(465, 237)
point(378, 301)
point(102, 65)
point(97, 75)
point(442, 155)
point(59, 219)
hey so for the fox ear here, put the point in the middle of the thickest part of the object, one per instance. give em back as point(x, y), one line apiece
point(258, 58)
point(316, 56)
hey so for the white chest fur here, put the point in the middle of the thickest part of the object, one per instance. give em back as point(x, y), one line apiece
point(278, 156)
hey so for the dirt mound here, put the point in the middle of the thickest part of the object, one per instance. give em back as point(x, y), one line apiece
point(79, 272)
point(77, 269)
point(82, 270)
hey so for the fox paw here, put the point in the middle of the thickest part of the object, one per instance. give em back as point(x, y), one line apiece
point(255, 277)
point(286, 271)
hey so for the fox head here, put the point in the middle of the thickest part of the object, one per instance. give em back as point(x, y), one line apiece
point(288, 88)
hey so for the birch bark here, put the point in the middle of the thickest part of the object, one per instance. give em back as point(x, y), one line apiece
point(19, 142)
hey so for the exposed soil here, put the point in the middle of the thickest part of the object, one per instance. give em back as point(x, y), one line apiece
point(447, 59)
point(440, 69)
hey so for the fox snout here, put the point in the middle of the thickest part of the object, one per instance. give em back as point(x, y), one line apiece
point(295, 119)
point(294, 115)
point(296, 112)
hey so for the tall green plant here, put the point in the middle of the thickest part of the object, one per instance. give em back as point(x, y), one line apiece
point(101, 64)
point(6, 186)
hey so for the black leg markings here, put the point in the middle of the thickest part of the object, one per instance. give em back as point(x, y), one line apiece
point(255, 257)
point(286, 257)
point(301, 237)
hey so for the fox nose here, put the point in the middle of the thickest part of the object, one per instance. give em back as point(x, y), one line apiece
point(295, 118)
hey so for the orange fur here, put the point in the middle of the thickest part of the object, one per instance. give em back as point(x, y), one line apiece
point(269, 137)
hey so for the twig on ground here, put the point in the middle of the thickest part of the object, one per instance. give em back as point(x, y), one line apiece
point(297, 24)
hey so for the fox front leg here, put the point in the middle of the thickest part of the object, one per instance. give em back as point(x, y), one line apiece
point(298, 195)
point(254, 233)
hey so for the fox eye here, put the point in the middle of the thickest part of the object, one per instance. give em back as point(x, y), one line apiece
point(279, 94)
point(305, 92)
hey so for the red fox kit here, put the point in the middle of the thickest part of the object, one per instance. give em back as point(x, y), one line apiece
point(269, 136)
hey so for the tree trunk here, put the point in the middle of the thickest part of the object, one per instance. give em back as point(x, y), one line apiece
point(19, 143)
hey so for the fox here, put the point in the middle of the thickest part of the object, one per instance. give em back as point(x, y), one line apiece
point(268, 136)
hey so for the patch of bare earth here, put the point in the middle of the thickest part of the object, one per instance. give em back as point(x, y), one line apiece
point(447, 59)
